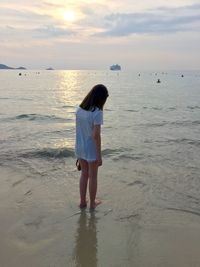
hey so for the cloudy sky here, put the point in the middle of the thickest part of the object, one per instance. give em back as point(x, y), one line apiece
point(87, 34)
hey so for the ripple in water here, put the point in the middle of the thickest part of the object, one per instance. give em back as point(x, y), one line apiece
point(36, 117)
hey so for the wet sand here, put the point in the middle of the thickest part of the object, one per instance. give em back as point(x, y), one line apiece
point(42, 226)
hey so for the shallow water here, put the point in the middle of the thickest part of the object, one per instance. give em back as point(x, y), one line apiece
point(149, 182)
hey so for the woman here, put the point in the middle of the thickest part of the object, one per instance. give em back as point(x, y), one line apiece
point(89, 118)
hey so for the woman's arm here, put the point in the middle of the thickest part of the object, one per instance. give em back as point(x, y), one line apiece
point(97, 138)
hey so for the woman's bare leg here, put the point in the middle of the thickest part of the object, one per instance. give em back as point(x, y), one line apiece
point(93, 171)
point(83, 182)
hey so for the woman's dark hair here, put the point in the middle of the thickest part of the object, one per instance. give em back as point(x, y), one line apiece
point(96, 98)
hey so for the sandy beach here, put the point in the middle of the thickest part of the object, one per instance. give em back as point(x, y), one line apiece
point(42, 226)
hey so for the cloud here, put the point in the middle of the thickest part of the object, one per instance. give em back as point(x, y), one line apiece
point(21, 14)
point(23, 19)
point(51, 31)
point(159, 21)
point(192, 7)
point(19, 34)
point(30, 24)
point(52, 5)
point(96, 19)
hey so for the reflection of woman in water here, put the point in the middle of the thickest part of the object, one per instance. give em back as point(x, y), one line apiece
point(86, 241)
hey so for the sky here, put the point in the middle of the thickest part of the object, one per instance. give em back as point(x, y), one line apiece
point(138, 35)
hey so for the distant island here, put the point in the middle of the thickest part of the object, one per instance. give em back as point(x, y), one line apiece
point(115, 67)
point(5, 67)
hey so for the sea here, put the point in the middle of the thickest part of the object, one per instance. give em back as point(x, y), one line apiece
point(150, 139)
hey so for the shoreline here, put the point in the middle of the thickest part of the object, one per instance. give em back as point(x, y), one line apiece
point(41, 227)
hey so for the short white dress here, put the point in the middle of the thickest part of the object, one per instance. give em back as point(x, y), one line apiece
point(85, 120)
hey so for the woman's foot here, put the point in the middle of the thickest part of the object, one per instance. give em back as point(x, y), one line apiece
point(95, 204)
point(83, 205)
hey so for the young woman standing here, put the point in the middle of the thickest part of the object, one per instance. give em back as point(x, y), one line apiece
point(89, 118)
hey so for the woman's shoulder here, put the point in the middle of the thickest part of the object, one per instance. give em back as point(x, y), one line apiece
point(79, 109)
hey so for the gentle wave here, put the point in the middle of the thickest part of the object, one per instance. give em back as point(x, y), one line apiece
point(111, 152)
point(46, 154)
point(130, 157)
point(63, 152)
point(34, 117)
point(108, 109)
point(157, 108)
point(174, 123)
point(154, 108)
point(55, 153)
point(185, 123)
point(21, 98)
point(181, 141)
point(161, 108)
point(66, 106)
point(194, 212)
point(122, 154)
point(156, 124)
point(193, 107)
point(151, 108)
point(172, 108)
point(4, 98)
point(131, 110)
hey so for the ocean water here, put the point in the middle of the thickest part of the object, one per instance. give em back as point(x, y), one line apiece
point(150, 139)
point(150, 126)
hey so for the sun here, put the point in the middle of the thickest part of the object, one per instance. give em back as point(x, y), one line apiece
point(69, 15)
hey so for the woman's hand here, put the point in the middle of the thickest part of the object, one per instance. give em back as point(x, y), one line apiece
point(99, 161)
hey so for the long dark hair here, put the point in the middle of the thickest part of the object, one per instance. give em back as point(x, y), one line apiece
point(96, 98)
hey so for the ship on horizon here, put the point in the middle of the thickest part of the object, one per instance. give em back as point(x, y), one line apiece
point(115, 67)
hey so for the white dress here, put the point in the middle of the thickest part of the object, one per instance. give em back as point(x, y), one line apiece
point(85, 120)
